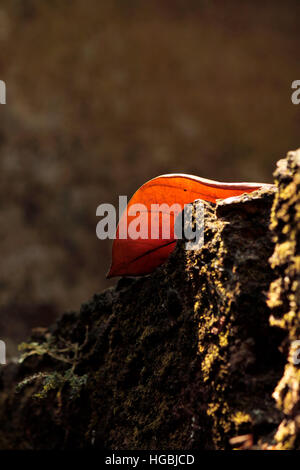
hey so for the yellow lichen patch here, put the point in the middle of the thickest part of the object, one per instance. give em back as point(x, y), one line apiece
point(212, 408)
point(285, 435)
point(282, 253)
point(223, 339)
point(211, 355)
point(274, 295)
point(240, 418)
point(219, 411)
point(289, 191)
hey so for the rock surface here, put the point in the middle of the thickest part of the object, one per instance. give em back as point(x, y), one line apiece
point(198, 355)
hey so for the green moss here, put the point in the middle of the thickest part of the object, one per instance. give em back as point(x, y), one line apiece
point(55, 381)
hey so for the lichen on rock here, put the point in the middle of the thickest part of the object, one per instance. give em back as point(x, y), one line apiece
point(284, 293)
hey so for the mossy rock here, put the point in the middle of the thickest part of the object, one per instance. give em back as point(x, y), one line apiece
point(185, 358)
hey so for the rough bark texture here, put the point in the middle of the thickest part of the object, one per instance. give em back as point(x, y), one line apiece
point(186, 358)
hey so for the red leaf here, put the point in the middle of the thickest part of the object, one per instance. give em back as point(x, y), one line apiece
point(134, 257)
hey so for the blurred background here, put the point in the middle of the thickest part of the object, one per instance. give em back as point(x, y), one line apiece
point(104, 95)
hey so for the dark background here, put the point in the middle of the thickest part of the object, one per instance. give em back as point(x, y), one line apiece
point(104, 95)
